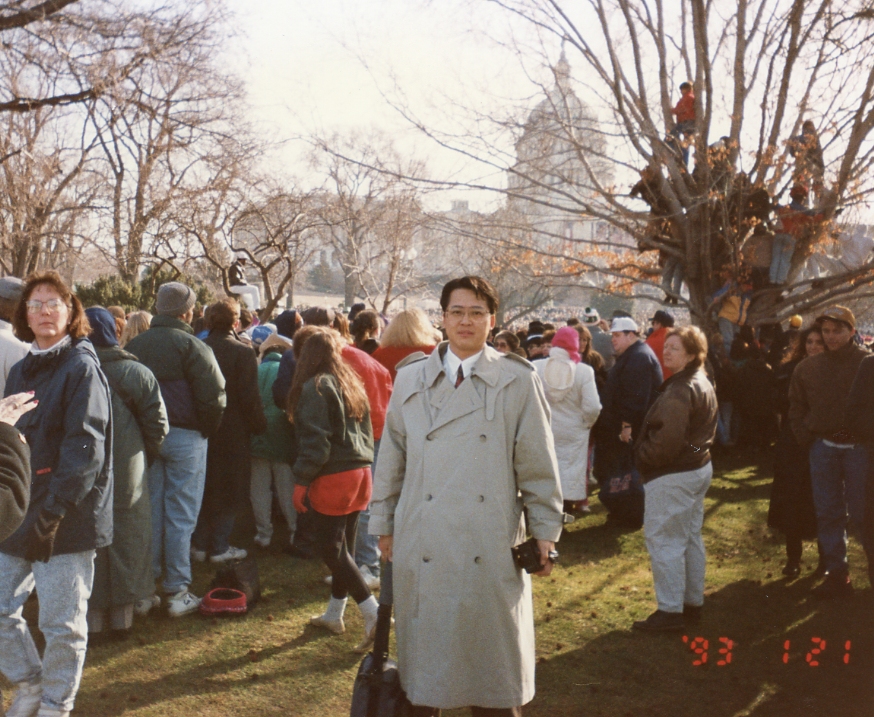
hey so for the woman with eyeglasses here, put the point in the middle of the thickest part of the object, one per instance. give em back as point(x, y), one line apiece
point(506, 342)
point(70, 513)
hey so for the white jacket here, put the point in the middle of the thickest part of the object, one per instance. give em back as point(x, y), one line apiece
point(11, 352)
point(572, 396)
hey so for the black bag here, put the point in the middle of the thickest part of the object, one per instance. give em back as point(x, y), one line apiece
point(377, 691)
point(240, 575)
point(622, 492)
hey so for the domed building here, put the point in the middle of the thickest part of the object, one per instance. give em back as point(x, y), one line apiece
point(560, 160)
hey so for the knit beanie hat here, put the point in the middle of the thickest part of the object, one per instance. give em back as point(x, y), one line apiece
point(287, 323)
point(174, 299)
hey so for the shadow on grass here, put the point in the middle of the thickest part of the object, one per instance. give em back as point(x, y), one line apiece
point(216, 677)
point(628, 674)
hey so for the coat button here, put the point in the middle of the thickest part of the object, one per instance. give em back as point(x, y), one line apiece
point(483, 437)
point(428, 497)
point(426, 560)
point(480, 498)
point(477, 559)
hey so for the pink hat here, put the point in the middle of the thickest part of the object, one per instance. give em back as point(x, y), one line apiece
point(568, 339)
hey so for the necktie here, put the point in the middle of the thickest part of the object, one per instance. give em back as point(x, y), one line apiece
point(459, 377)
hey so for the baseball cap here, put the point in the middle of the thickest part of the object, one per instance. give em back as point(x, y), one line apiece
point(624, 323)
point(839, 313)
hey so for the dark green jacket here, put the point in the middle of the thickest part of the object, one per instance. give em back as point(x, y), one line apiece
point(327, 440)
point(123, 570)
point(191, 382)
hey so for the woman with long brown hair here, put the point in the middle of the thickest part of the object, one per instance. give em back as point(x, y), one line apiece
point(331, 414)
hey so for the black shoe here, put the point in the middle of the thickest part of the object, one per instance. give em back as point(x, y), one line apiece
point(297, 552)
point(792, 570)
point(661, 621)
point(692, 614)
point(835, 585)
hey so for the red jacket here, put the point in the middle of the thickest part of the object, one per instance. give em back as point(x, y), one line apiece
point(377, 385)
point(794, 219)
point(685, 109)
point(656, 341)
point(391, 356)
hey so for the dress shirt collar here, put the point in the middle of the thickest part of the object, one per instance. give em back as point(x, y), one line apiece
point(451, 362)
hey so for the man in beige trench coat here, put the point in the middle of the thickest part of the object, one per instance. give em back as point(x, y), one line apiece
point(467, 444)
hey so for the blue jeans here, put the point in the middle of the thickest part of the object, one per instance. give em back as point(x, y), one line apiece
point(176, 482)
point(838, 476)
point(367, 545)
point(213, 532)
point(64, 586)
point(783, 248)
point(726, 425)
point(728, 330)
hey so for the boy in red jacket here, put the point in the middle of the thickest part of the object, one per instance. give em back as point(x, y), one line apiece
point(685, 112)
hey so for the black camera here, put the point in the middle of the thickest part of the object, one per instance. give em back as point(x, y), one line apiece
point(527, 556)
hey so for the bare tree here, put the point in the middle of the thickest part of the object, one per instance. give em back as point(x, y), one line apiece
point(47, 189)
point(162, 125)
point(758, 69)
point(370, 216)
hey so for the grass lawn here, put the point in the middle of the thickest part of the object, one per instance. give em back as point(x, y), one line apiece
point(270, 662)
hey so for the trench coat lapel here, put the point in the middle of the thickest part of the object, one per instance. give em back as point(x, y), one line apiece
point(448, 403)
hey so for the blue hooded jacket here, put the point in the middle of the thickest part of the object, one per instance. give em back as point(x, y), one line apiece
point(70, 439)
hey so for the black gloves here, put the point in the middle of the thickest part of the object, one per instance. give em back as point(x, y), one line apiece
point(41, 538)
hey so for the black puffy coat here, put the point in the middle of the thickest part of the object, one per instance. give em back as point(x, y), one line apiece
point(14, 479)
point(70, 439)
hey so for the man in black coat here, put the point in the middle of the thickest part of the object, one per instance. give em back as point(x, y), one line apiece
point(228, 455)
point(629, 392)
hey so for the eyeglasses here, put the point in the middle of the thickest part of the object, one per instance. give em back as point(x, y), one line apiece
point(53, 305)
point(472, 314)
point(501, 345)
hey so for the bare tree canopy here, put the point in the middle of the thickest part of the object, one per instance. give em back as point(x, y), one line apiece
point(782, 98)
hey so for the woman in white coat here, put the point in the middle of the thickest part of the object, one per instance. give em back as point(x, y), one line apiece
point(570, 389)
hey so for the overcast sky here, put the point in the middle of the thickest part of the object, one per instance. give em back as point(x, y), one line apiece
point(321, 66)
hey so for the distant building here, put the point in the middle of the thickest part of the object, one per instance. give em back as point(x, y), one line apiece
point(561, 161)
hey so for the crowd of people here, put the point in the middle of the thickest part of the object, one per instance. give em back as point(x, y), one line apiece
point(128, 446)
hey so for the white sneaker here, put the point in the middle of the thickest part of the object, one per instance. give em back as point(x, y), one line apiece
point(231, 553)
point(369, 578)
point(142, 607)
point(27, 699)
point(198, 556)
point(182, 603)
point(338, 627)
point(46, 711)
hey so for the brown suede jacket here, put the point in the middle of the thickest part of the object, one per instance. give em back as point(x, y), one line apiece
point(679, 428)
point(819, 392)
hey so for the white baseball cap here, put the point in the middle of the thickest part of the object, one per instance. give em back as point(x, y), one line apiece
point(624, 323)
